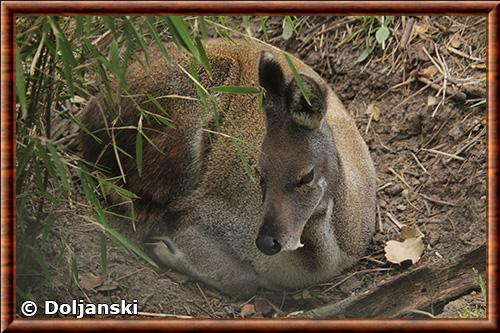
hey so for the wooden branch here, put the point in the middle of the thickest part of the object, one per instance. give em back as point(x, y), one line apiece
point(427, 288)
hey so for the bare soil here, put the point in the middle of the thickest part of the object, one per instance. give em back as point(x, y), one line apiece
point(430, 162)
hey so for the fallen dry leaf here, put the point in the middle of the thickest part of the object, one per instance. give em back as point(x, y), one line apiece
point(407, 232)
point(456, 41)
point(421, 30)
point(399, 252)
point(428, 72)
point(411, 246)
point(90, 281)
point(374, 111)
point(306, 294)
point(247, 310)
point(431, 100)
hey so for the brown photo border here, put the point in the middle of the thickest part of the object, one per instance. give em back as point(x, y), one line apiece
point(11, 9)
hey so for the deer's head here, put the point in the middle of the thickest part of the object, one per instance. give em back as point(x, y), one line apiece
point(298, 164)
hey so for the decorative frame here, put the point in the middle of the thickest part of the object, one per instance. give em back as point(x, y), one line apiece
point(11, 9)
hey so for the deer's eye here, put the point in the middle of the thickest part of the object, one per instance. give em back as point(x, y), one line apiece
point(306, 179)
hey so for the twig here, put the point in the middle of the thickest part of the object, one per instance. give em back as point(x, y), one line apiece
point(163, 315)
point(441, 202)
point(400, 178)
point(206, 299)
point(453, 94)
point(379, 219)
point(404, 83)
point(384, 186)
point(406, 33)
point(413, 95)
point(462, 54)
point(353, 274)
point(418, 162)
point(398, 224)
point(438, 152)
point(130, 274)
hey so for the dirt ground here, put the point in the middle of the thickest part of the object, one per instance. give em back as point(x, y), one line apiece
point(429, 153)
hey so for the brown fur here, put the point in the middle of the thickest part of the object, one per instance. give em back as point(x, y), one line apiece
point(200, 181)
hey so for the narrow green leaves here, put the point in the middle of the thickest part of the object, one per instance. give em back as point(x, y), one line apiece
point(297, 78)
point(180, 30)
point(121, 240)
point(235, 90)
point(150, 26)
point(21, 85)
point(288, 28)
point(138, 151)
point(243, 159)
point(59, 167)
point(65, 51)
point(382, 34)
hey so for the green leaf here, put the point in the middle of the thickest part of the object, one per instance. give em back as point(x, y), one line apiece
point(41, 152)
point(382, 34)
point(179, 28)
point(244, 161)
point(49, 223)
point(203, 27)
point(114, 64)
point(104, 256)
point(110, 24)
point(21, 85)
point(262, 23)
point(261, 101)
point(203, 56)
point(235, 90)
point(118, 238)
point(23, 155)
point(246, 21)
point(59, 167)
point(138, 151)
point(64, 49)
point(163, 120)
point(137, 37)
point(82, 127)
point(297, 78)
point(288, 28)
point(150, 25)
point(388, 20)
point(88, 189)
point(74, 270)
point(366, 53)
point(193, 76)
point(121, 191)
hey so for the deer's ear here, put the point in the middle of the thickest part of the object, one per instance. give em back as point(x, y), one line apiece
point(304, 114)
point(271, 75)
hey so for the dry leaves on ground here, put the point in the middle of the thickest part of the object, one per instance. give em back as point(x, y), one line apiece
point(410, 248)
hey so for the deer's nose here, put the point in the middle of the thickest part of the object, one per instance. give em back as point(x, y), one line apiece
point(268, 245)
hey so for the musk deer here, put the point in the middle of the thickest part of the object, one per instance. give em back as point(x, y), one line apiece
point(313, 213)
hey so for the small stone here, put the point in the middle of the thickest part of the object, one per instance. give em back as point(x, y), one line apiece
point(401, 207)
point(393, 190)
point(263, 306)
point(247, 310)
point(434, 239)
point(456, 132)
point(306, 294)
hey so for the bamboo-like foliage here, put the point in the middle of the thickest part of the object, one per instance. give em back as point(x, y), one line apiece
point(61, 62)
